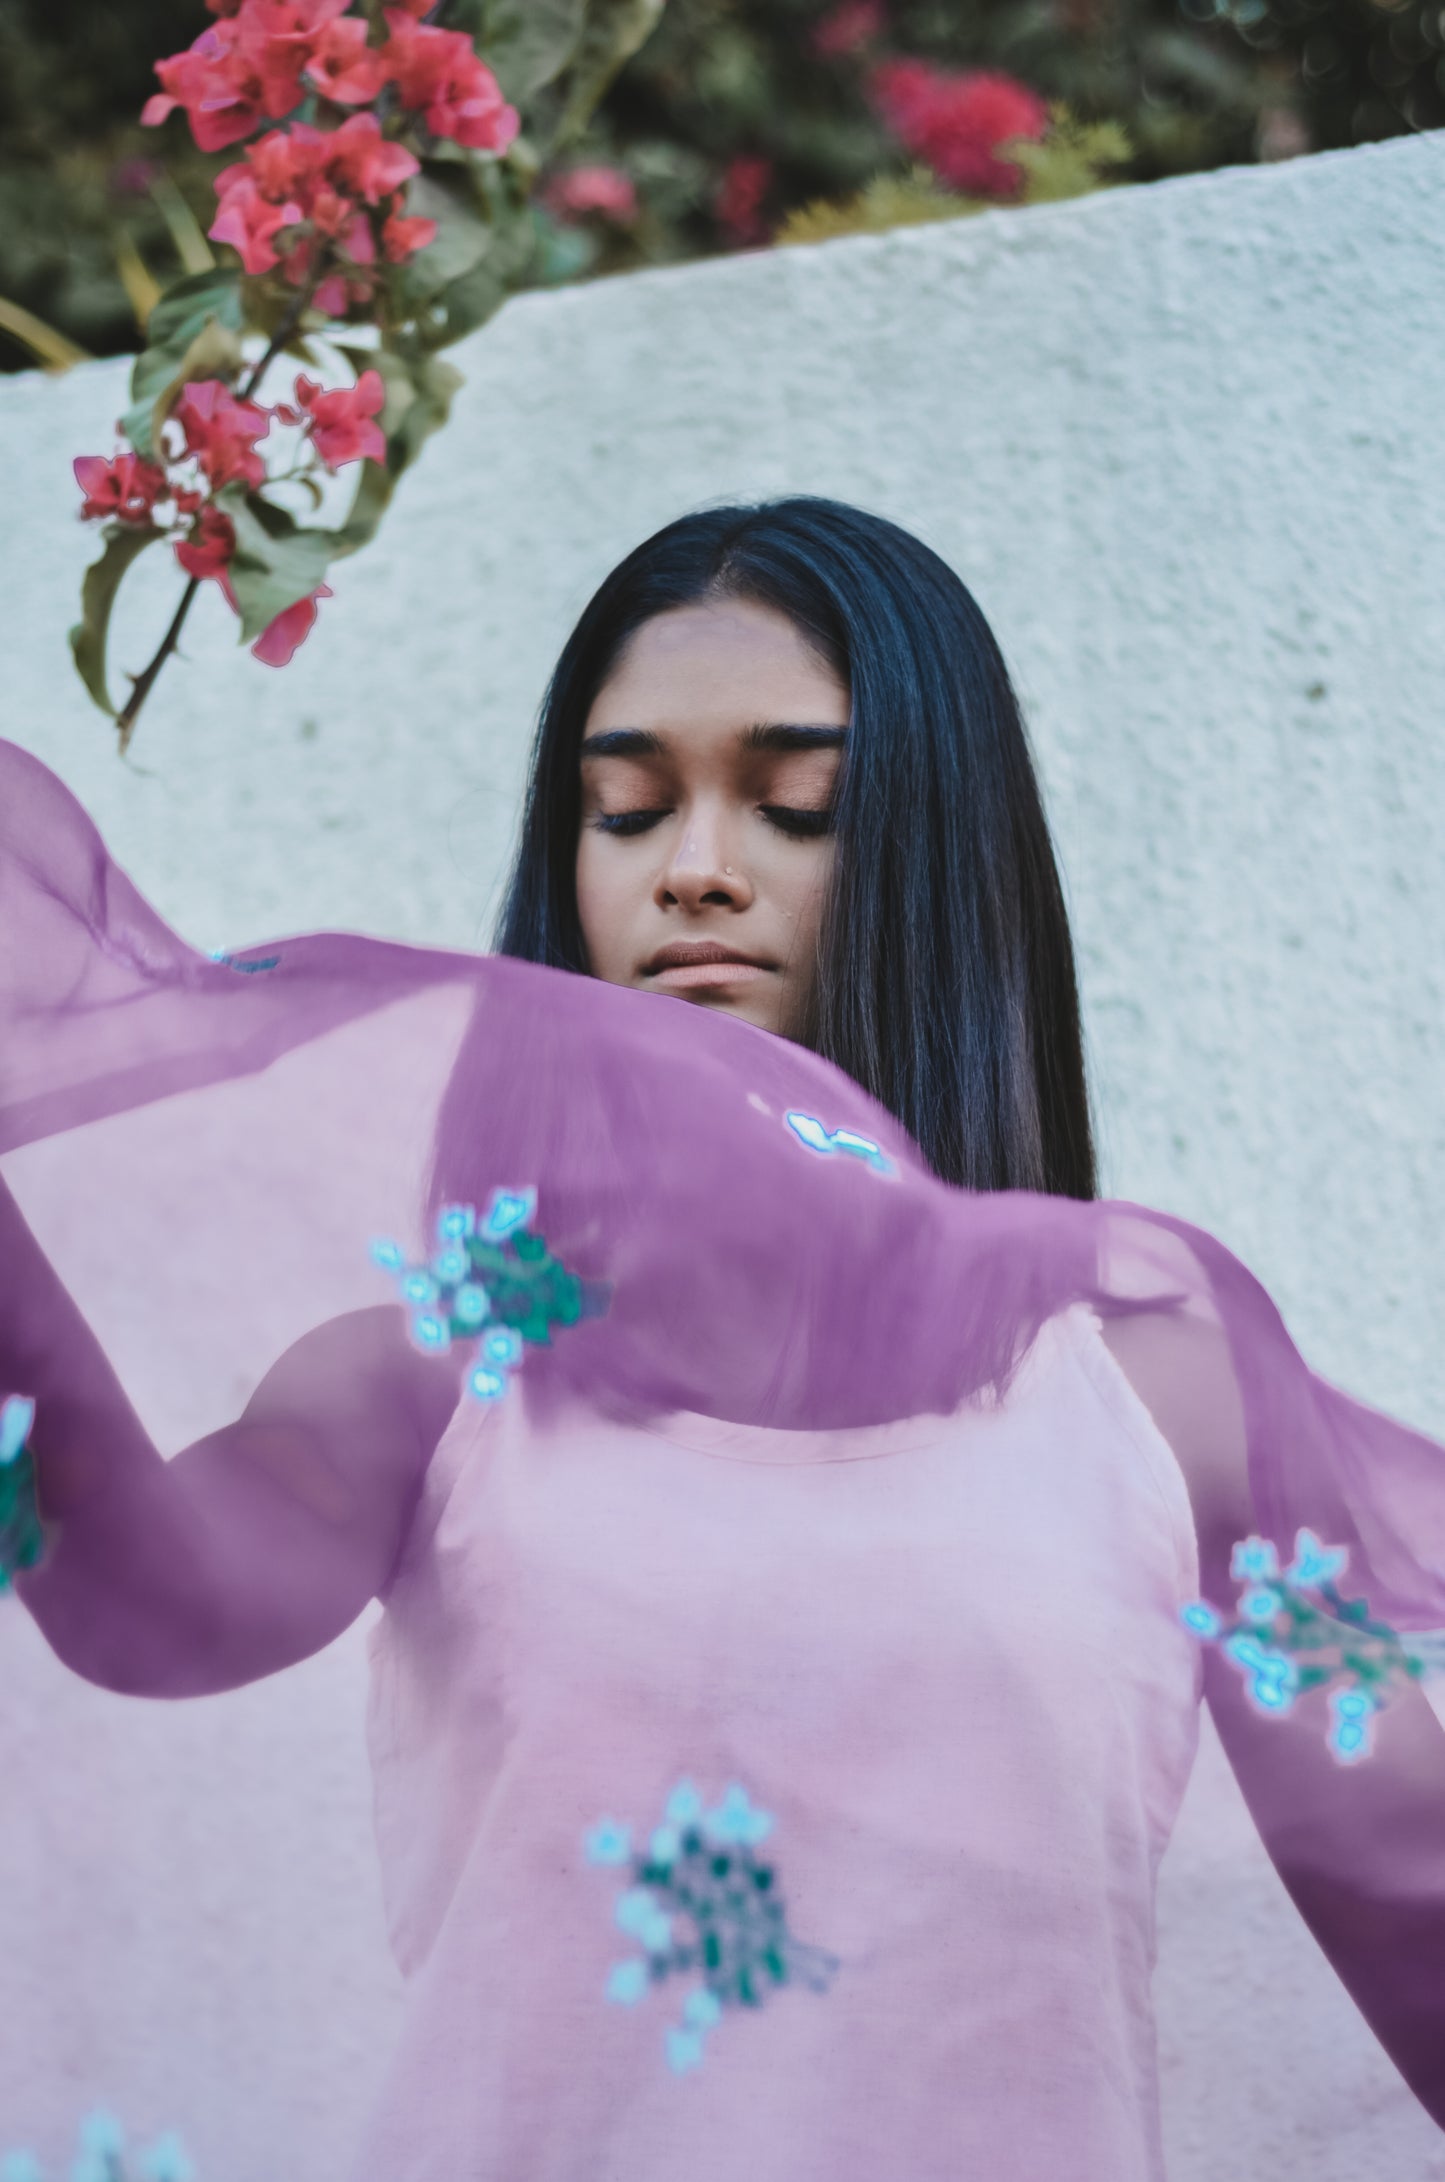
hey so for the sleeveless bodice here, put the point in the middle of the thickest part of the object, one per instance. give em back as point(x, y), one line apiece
point(942, 1657)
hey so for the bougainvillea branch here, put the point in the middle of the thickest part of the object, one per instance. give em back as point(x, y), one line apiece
point(380, 210)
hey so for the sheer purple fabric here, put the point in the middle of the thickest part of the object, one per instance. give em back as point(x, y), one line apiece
point(234, 1421)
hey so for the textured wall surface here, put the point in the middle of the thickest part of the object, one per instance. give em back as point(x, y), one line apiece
point(1182, 442)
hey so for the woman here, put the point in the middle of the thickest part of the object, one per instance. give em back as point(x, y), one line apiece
point(783, 1686)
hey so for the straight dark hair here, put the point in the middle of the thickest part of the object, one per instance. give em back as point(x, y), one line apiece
point(946, 982)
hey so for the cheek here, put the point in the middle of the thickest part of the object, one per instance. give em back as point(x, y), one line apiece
point(606, 909)
point(801, 888)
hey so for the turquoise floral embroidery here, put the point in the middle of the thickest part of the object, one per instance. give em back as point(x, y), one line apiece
point(811, 1132)
point(22, 1541)
point(700, 1899)
point(491, 1281)
point(101, 2157)
point(234, 962)
point(1281, 1636)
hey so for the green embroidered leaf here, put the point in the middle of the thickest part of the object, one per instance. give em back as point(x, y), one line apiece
point(277, 561)
point(124, 543)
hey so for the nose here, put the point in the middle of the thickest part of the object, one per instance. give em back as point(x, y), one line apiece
point(699, 873)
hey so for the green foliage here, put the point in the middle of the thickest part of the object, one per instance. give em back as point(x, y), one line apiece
point(86, 195)
point(193, 333)
point(97, 597)
point(1073, 159)
point(889, 201)
point(277, 560)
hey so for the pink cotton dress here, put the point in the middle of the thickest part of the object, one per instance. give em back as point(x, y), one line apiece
point(943, 1657)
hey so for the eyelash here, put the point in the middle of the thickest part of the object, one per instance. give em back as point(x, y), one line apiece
point(798, 825)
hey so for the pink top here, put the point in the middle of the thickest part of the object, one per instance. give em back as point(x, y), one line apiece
point(944, 1658)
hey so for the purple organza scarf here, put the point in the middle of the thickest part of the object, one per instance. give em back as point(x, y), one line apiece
point(196, 1157)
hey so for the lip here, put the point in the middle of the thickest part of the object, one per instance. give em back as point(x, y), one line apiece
point(689, 964)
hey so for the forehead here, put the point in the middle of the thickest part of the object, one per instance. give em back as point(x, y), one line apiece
point(725, 666)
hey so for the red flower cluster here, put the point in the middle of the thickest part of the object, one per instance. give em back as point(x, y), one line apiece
point(301, 190)
point(219, 431)
point(438, 74)
point(956, 122)
point(342, 419)
point(607, 192)
point(262, 57)
point(123, 491)
point(740, 203)
point(849, 27)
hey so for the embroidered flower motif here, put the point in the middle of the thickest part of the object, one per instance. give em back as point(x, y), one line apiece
point(1254, 1557)
point(700, 1900)
point(810, 1131)
point(101, 2157)
point(608, 1843)
point(233, 962)
point(22, 1539)
point(1368, 1656)
point(492, 1281)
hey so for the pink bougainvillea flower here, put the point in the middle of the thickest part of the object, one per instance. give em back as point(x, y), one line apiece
point(208, 547)
point(281, 638)
point(222, 94)
point(251, 223)
point(403, 235)
point(124, 490)
point(440, 74)
point(606, 191)
point(342, 66)
point(956, 122)
point(283, 164)
point(343, 418)
point(360, 159)
point(849, 27)
point(221, 432)
point(741, 196)
point(277, 39)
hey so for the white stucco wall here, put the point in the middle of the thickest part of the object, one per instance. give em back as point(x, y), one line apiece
point(1182, 442)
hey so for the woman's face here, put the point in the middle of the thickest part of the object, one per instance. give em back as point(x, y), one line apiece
point(708, 767)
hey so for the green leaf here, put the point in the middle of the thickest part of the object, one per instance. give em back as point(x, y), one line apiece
point(526, 42)
point(373, 497)
point(97, 597)
point(193, 331)
point(277, 560)
point(613, 32)
point(464, 236)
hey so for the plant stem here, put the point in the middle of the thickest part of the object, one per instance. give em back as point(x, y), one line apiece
point(142, 683)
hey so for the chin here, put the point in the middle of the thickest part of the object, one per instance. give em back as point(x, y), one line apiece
point(745, 1009)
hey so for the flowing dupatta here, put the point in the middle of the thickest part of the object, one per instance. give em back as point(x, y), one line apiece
point(214, 1172)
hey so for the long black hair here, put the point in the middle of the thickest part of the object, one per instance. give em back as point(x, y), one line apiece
point(946, 982)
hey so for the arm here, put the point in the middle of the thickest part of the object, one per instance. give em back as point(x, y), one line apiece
point(253, 1547)
point(1361, 1849)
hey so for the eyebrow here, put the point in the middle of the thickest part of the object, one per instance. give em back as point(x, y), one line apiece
point(641, 742)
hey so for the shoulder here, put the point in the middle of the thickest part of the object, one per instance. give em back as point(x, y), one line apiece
point(1178, 1363)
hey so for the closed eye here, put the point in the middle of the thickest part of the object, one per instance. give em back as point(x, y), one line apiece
point(626, 822)
point(800, 824)
point(804, 825)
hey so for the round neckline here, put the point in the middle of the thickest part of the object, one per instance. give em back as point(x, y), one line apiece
point(770, 1443)
point(765, 1443)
